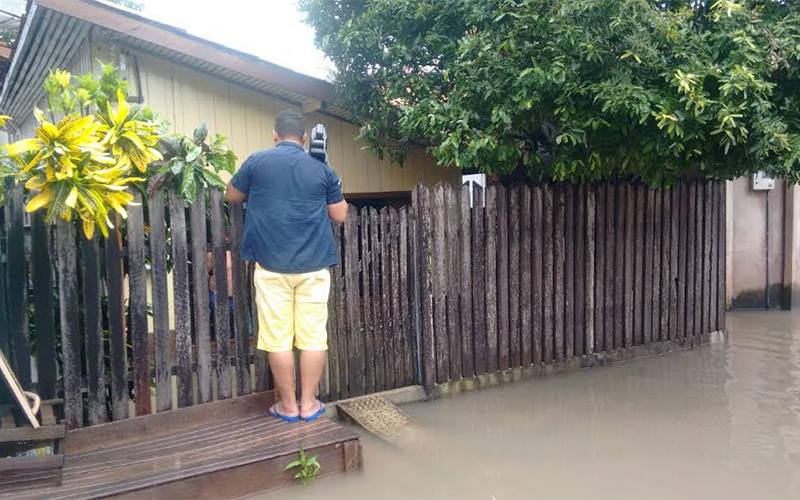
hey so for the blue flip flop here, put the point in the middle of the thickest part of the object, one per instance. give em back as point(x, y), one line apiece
point(274, 412)
point(316, 415)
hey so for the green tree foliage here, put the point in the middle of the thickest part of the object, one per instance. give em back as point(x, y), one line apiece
point(573, 89)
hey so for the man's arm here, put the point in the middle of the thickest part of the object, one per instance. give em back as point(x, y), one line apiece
point(234, 195)
point(338, 211)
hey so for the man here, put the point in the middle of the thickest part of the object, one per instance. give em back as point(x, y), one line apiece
point(291, 199)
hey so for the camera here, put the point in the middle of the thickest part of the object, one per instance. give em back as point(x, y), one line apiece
point(318, 143)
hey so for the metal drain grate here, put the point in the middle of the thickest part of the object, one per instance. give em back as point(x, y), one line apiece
point(377, 415)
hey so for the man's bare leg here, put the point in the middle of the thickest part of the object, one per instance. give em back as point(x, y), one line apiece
point(312, 363)
point(282, 366)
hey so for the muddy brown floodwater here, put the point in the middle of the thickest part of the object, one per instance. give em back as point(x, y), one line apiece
point(720, 421)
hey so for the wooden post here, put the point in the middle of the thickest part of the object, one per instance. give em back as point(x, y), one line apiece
point(682, 226)
point(116, 327)
point(240, 302)
point(559, 268)
point(181, 300)
point(651, 254)
point(405, 307)
point(674, 218)
point(707, 239)
point(451, 281)
point(70, 335)
point(628, 304)
point(439, 289)
point(425, 293)
point(137, 308)
point(479, 295)
point(491, 278)
point(158, 262)
point(537, 276)
point(17, 285)
point(465, 292)
point(386, 287)
point(377, 304)
point(397, 319)
point(613, 281)
point(93, 328)
point(503, 324)
point(514, 313)
point(722, 235)
point(640, 305)
point(600, 235)
point(42, 274)
point(548, 332)
point(526, 311)
point(222, 326)
point(355, 332)
point(590, 273)
point(580, 269)
point(200, 284)
point(569, 271)
point(367, 258)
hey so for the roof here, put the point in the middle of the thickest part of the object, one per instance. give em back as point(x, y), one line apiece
point(53, 31)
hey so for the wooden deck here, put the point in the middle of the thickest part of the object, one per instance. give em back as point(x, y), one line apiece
point(238, 456)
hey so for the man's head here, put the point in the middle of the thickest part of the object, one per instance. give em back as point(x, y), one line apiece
point(289, 126)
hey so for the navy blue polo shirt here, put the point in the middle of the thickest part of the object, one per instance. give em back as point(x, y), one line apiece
point(288, 229)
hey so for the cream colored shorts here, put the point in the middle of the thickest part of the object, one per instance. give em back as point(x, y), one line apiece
point(292, 310)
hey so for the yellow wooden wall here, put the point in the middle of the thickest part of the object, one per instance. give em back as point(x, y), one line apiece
point(185, 97)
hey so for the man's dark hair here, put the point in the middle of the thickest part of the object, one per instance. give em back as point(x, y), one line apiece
point(289, 124)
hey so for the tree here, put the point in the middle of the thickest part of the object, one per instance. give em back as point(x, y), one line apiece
point(573, 89)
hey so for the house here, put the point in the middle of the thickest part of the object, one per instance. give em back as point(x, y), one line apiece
point(187, 79)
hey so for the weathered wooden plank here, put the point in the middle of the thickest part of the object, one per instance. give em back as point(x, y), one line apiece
point(723, 257)
point(241, 319)
point(708, 232)
point(537, 275)
point(631, 212)
point(202, 333)
point(600, 286)
point(397, 320)
point(439, 251)
point(116, 327)
point(525, 299)
point(17, 285)
point(691, 269)
point(137, 308)
point(42, 275)
point(503, 323)
point(158, 266)
point(405, 306)
point(658, 278)
point(423, 210)
point(333, 366)
point(580, 270)
point(377, 305)
point(650, 299)
point(674, 218)
point(610, 310)
point(698, 261)
point(4, 333)
point(367, 259)
point(479, 279)
point(569, 271)
point(619, 265)
point(714, 267)
point(491, 278)
point(589, 266)
point(514, 316)
point(222, 328)
point(665, 271)
point(355, 332)
point(548, 331)
point(639, 249)
point(341, 315)
point(465, 290)
point(93, 330)
point(386, 287)
point(451, 280)
point(559, 264)
point(181, 300)
point(67, 266)
point(682, 225)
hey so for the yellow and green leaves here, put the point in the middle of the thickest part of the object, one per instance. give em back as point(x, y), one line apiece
point(131, 140)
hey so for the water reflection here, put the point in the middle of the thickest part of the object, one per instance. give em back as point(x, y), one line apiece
point(721, 421)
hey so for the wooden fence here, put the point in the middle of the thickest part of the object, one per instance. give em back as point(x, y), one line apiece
point(439, 291)
point(541, 275)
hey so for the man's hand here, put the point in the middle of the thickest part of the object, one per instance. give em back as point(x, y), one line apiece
point(338, 211)
point(234, 195)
